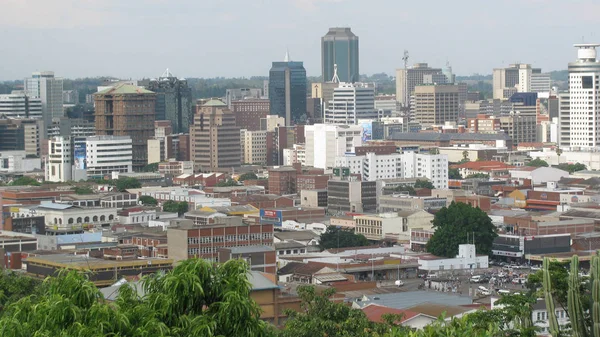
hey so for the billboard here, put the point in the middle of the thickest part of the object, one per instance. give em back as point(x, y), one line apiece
point(79, 156)
point(367, 131)
point(270, 214)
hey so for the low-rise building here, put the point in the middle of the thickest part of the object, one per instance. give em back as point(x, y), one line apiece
point(276, 216)
point(466, 259)
point(66, 217)
point(404, 202)
point(176, 167)
point(313, 198)
point(259, 258)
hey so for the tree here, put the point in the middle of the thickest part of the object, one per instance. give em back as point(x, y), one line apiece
point(150, 167)
point(175, 207)
point(405, 188)
point(572, 167)
point(196, 298)
point(465, 155)
point(461, 223)
point(248, 176)
point(148, 200)
point(338, 237)
point(513, 315)
point(15, 286)
point(434, 150)
point(424, 184)
point(25, 181)
point(454, 173)
point(123, 184)
point(537, 162)
point(227, 183)
point(83, 190)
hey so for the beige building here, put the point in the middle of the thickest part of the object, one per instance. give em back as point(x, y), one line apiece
point(408, 79)
point(395, 225)
point(507, 81)
point(254, 147)
point(404, 202)
point(324, 92)
point(270, 122)
point(214, 138)
point(156, 150)
point(372, 226)
point(313, 198)
point(435, 104)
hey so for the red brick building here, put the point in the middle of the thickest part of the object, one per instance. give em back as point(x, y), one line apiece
point(282, 180)
point(149, 245)
point(248, 112)
point(263, 200)
point(480, 201)
point(374, 148)
point(311, 182)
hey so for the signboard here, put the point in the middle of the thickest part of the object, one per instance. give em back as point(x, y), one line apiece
point(367, 131)
point(270, 214)
point(336, 171)
point(79, 156)
point(504, 253)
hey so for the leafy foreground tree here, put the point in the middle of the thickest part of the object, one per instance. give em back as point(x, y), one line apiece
point(512, 317)
point(15, 286)
point(148, 200)
point(197, 298)
point(461, 223)
point(338, 237)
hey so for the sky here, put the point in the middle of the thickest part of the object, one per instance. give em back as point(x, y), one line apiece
point(240, 38)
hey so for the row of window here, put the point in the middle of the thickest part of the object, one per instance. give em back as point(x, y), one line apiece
point(230, 238)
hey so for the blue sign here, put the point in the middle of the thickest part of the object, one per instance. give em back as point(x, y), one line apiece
point(79, 156)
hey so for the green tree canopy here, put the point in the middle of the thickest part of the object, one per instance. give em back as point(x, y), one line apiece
point(197, 298)
point(248, 176)
point(15, 286)
point(405, 188)
point(227, 183)
point(150, 167)
point(25, 181)
point(345, 237)
point(477, 175)
point(83, 190)
point(178, 207)
point(454, 173)
point(572, 167)
point(537, 162)
point(148, 200)
point(461, 223)
point(424, 184)
point(123, 184)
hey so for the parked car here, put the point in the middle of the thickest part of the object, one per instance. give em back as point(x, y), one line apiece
point(476, 279)
point(399, 283)
point(483, 291)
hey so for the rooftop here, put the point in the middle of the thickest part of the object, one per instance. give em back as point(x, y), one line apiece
point(250, 249)
point(430, 136)
point(295, 235)
point(124, 89)
point(405, 300)
point(83, 262)
point(374, 313)
point(215, 102)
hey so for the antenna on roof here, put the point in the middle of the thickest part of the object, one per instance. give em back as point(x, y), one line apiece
point(335, 78)
point(167, 73)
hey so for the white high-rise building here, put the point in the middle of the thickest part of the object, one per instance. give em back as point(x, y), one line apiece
point(106, 154)
point(373, 167)
point(564, 121)
point(325, 142)
point(59, 162)
point(351, 102)
point(541, 83)
point(584, 100)
point(18, 104)
point(50, 90)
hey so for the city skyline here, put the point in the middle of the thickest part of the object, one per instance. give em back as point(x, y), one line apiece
point(78, 34)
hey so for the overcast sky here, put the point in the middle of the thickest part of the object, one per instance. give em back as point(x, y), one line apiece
point(208, 38)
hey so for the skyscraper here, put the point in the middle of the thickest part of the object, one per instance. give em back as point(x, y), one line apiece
point(127, 110)
point(407, 79)
point(287, 91)
point(515, 78)
point(50, 90)
point(173, 101)
point(340, 46)
point(351, 102)
point(583, 109)
point(435, 104)
point(214, 138)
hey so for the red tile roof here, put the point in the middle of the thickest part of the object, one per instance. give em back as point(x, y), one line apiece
point(374, 313)
point(484, 165)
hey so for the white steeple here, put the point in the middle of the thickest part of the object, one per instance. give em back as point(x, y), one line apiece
point(287, 56)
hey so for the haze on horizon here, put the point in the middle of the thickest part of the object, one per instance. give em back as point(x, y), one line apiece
point(234, 38)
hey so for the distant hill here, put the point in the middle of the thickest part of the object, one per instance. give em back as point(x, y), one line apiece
point(559, 75)
point(474, 77)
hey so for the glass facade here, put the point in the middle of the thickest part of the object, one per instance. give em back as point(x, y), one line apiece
point(173, 102)
point(340, 46)
point(287, 92)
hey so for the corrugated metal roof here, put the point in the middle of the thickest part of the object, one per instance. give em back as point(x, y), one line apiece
point(409, 299)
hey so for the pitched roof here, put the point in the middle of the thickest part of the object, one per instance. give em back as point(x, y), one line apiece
point(290, 268)
point(484, 165)
point(374, 313)
point(436, 310)
point(124, 89)
point(214, 102)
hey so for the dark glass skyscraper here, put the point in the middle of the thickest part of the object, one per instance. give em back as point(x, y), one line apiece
point(340, 46)
point(173, 101)
point(287, 91)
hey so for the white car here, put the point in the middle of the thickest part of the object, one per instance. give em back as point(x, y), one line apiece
point(399, 283)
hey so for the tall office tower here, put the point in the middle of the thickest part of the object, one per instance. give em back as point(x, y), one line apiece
point(59, 160)
point(127, 110)
point(407, 79)
point(287, 91)
point(435, 104)
point(248, 112)
point(241, 93)
point(340, 47)
point(515, 78)
point(214, 138)
point(18, 104)
point(254, 147)
point(173, 101)
point(540, 82)
point(584, 98)
point(447, 71)
point(21, 134)
point(50, 90)
point(564, 121)
point(351, 102)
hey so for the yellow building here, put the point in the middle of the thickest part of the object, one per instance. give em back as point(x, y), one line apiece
point(238, 210)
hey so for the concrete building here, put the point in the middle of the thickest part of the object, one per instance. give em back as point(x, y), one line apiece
point(339, 49)
point(435, 104)
point(70, 97)
point(351, 102)
point(215, 138)
point(323, 92)
point(259, 258)
point(521, 129)
point(104, 155)
point(249, 112)
point(176, 167)
point(394, 226)
point(296, 154)
point(127, 110)
point(17, 162)
point(21, 135)
point(19, 104)
point(373, 167)
point(241, 94)
point(541, 83)
point(313, 198)
point(156, 150)
point(325, 142)
point(71, 127)
point(173, 101)
point(48, 89)
point(287, 91)
point(254, 146)
point(403, 202)
point(408, 79)
point(352, 195)
point(271, 123)
point(507, 81)
point(59, 162)
point(466, 259)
